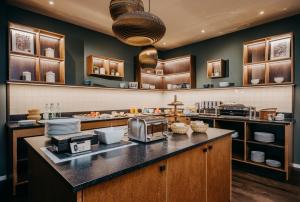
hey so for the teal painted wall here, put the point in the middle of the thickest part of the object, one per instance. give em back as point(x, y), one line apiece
point(81, 42)
point(230, 47)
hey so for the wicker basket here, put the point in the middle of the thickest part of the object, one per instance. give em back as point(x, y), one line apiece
point(199, 128)
point(179, 130)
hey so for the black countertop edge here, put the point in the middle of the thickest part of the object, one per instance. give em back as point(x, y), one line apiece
point(124, 171)
point(257, 120)
point(13, 125)
point(143, 165)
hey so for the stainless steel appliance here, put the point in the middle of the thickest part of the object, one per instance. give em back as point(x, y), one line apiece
point(237, 110)
point(147, 129)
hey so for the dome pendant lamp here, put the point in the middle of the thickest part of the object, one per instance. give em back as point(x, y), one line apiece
point(148, 57)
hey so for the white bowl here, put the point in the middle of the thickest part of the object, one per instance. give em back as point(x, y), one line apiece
point(278, 79)
point(110, 135)
point(152, 87)
point(255, 81)
point(235, 135)
point(224, 84)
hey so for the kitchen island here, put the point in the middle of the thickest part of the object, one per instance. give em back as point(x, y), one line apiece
point(192, 167)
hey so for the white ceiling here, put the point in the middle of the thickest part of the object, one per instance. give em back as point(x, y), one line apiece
point(184, 19)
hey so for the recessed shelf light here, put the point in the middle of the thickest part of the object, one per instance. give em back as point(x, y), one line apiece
point(164, 43)
point(202, 31)
point(51, 3)
point(261, 12)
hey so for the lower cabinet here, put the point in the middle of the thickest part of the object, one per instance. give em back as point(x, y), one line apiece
point(202, 174)
point(186, 176)
point(219, 170)
point(147, 184)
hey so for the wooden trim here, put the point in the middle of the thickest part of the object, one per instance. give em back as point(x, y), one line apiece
point(79, 196)
point(289, 149)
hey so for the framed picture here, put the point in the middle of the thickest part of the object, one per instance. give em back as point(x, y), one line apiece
point(159, 72)
point(280, 49)
point(22, 42)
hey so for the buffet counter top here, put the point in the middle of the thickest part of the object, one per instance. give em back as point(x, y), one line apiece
point(86, 171)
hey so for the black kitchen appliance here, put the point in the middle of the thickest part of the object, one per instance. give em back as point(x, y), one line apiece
point(234, 110)
point(73, 143)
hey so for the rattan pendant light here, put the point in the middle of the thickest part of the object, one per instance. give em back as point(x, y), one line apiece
point(120, 7)
point(138, 28)
point(148, 57)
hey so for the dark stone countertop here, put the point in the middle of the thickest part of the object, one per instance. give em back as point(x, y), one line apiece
point(237, 118)
point(87, 171)
point(13, 125)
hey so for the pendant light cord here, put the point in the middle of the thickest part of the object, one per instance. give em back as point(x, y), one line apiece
point(149, 6)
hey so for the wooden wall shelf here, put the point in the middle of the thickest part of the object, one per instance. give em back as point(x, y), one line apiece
point(176, 71)
point(216, 69)
point(104, 67)
point(30, 56)
point(268, 58)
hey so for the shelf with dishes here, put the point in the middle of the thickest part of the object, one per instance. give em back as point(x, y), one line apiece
point(104, 67)
point(216, 68)
point(269, 61)
point(272, 143)
point(36, 55)
point(170, 74)
point(268, 157)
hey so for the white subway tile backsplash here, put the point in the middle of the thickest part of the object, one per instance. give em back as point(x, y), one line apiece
point(24, 97)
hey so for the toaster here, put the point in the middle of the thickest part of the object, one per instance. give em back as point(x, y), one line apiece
point(147, 129)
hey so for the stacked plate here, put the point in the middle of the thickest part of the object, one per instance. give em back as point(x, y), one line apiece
point(273, 163)
point(258, 156)
point(62, 126)
point(264, 137)
point(235, 135)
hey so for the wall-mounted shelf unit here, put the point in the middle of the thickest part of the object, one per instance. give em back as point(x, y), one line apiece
point(35, 51)
point(269, 58)
point(104, 67)
point(175, 71)
point(216, 69)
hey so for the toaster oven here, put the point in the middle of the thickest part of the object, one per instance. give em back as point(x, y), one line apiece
point(147, 129)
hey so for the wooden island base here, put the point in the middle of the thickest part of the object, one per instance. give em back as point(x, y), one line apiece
point(202, 173)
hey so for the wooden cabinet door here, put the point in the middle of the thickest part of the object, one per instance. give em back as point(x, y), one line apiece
point(186, 176)
point(219, 170)
point(147, 184)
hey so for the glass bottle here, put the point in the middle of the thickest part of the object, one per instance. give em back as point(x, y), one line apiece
point(58, 110)
point(52, 111)
point(46, 112)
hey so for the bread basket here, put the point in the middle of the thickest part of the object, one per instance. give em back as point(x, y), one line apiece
point(199, 128)
point(179, 129)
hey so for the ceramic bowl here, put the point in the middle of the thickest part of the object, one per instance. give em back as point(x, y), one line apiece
point(255, 81)
point(278, 79)
point(224, 84)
